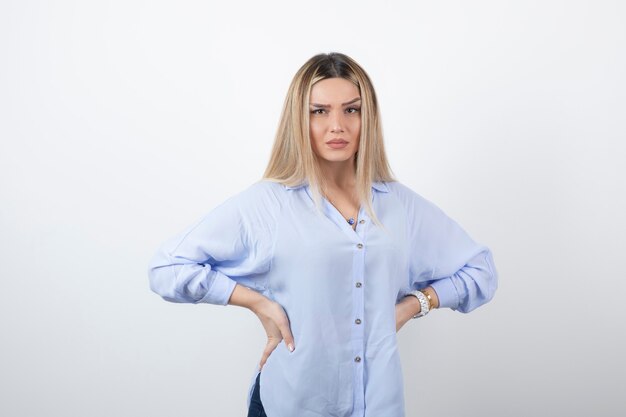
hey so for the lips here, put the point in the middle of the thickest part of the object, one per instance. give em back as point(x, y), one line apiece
point(337, 144)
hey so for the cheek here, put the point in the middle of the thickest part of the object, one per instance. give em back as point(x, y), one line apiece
point(355, 127)
point(315, 136)
point(316, 131)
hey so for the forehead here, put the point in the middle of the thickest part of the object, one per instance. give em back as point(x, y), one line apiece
point(333, 90)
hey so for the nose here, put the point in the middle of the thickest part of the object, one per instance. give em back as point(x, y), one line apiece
point(336, 124)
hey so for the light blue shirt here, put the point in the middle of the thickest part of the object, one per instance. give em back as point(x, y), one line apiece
point(338, 286)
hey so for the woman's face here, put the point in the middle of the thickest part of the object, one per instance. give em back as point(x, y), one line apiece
point(335, 113)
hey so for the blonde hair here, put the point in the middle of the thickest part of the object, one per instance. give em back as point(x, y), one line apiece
point(293, 160)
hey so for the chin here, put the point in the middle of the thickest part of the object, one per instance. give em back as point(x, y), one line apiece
point(337, 158)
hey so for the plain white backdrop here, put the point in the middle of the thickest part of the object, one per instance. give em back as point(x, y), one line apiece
point(121, 122)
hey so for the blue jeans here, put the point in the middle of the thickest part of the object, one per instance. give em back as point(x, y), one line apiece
point(256, 408)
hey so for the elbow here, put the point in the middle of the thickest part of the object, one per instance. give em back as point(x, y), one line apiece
point(479, 281)
point(186, 281)
point(159, 284)
point(161, 277)
point(492, 276)
point(484, 277)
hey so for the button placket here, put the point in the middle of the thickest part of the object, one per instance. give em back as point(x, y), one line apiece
point(358, 298)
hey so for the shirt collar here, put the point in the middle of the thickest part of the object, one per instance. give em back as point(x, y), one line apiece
point(378, 185)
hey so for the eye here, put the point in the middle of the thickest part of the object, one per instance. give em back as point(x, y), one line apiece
point(316, 110)
point(356, 109)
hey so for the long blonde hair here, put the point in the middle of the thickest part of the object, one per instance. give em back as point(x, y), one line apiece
point(293, 160)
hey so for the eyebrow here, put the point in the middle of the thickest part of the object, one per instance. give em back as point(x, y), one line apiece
point(343, 104)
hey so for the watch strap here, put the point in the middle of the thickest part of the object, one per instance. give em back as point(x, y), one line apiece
point(424, 303)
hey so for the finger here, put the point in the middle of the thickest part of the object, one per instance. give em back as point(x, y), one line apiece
point(285, 331)
point(269, 348)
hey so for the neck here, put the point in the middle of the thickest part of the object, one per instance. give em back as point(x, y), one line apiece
point(339, 175)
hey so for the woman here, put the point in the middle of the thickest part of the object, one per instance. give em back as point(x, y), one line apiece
point(330, 252)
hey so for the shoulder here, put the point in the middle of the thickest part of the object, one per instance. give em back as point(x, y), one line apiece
point(268, 194)
point(406, 194)
point(414, 203)
point(261, 191)
point(260, 202)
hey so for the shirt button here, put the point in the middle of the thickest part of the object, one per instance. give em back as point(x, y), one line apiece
point(357, 321)
point(359, 245)
point(361, 221)
point(358, 285)
point(357, 359)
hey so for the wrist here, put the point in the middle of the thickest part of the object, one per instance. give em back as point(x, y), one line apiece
point(243, 296)
point(258, 303)
point(423, 301)
point(410, 306)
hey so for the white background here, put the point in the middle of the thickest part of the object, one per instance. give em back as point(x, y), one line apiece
point(121, 122)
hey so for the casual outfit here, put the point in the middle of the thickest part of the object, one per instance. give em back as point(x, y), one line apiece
point(338, 287)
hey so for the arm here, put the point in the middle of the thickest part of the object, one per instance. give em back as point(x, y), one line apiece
point(473, 285)
point(243, 296)
point(460, 271)
point(231, 244)
point(224, 259)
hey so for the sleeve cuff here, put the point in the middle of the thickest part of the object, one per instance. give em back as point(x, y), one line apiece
point(446, 292)
point(220, 290)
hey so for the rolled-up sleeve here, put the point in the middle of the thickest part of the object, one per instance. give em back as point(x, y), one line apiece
point(231, 244)
point(444, 256)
